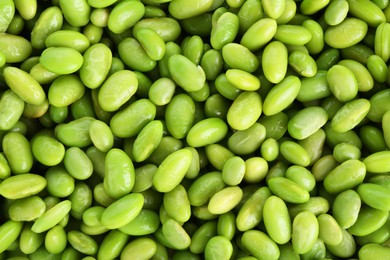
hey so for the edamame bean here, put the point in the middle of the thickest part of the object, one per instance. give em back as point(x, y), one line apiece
point(329, 230)
point(218, 247)
point(137, 114)
point(24, 85)
point(26, 8)
point(26, 209)
point(346, 34)
point(9, 232)
point(247, 141)
point(260, 245)
point(226, 225)
point(336, 12)
point(47, 150)
point(239, 57)
point(133, 55)
point(119, 175)
point(59, 182)
point(21, 50)
point(316, 44)
point(68, 38)
point(371, 251)
point(97, 62)
point(345, 89)
point(240, 116)
point(374, 195)
point(233, 171)
point(11, 107)
point(277, 220)
point(146, 222)
point(180, 9)
point(30, 241)
point(175, 234)
point(202, 235)
point(340, 178)
point(377, 162)
point(350, 115)
point(295, 153)
point(292, 34)
point(298, 124)
point(141, 248)
point(225, 200)
point(114, 216)
point(266, 27)
point(7, 11)
point(76, 12)
point(281, 95)
point(243, 80)
point(179, 115)
point(207, 131)
point(125, 15)
point(346, 208)
point(55, 240)
point(302, 63)
point(377, 67)
point(77, 163)
point(101, 135)
point(167, 27)
point(368, 221)
point(367, 11)
point(82, 242)
point(315, 205)
point(17, 151)
point(172, 170)
point(49, 21)
point(51, 217)
point(305, 230)
point(177, 205)
point(275, 61)
point(344, 151)
point(291, 192)
point(185, 73)
point(112, 245)
point(302, 176)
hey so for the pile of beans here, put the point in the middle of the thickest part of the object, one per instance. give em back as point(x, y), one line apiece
point(194, 129)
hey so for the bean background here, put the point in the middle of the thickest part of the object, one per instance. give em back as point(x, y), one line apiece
point(202, 129)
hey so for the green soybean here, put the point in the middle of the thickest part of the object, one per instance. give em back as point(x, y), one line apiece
point(141, 248)
point(225, 200)
point(125, 15)
point(138, 114)
point(346, 34)
point(21, 50)
point(9, 232)
point(24, 85)
point(260, 245)
point(281, 95)
point(291, 192)
point(119, 175)
point(51, 217)
point(305, 230)
point(368, 221)
point(275, 61)
point(17, 151)
point(345, 89)
point(82, 242)
point(277, 220)
point(172, 170)
point(207, 131)
point(266, 27)
point(240, 116)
